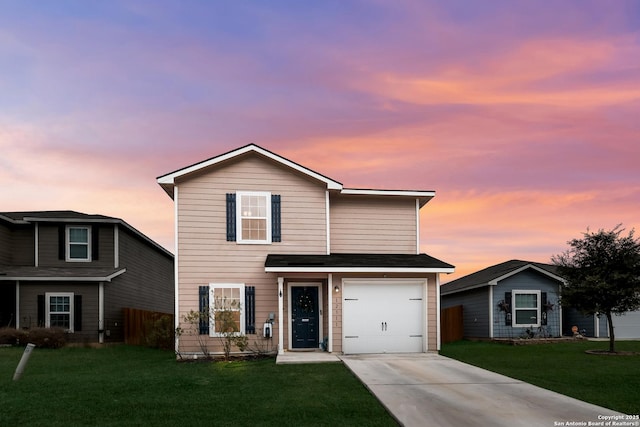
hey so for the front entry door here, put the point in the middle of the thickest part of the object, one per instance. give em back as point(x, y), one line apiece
point(304, 316)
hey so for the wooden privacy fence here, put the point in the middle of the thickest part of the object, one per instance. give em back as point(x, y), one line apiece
point(150, 328)
point(451, 324)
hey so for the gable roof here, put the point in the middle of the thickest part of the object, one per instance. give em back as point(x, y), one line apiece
point(168, 181)
point(29, 217)
point(353, 262)
point(490, 276)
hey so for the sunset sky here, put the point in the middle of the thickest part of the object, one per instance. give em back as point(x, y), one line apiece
point(523, 116)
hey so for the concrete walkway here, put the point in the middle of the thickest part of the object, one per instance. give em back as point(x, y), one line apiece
point(433, 390)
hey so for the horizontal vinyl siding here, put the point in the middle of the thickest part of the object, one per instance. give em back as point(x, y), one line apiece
point(147, 284)
point(29, 306)
point(22, 246)
point(531, 281)
point(475, 310)
point(48, 246)
point(5, 245)
point(373, 224)
point(204, 254)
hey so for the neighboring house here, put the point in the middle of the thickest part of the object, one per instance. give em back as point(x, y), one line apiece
point(507, 299)
point(626, 326)
point(77, 271)
point(295, 252)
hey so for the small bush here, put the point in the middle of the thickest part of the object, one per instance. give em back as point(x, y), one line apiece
point(12, 336)
point(159, 333)
point(46, 337)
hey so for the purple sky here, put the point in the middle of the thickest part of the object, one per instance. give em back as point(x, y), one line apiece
point(523, 116)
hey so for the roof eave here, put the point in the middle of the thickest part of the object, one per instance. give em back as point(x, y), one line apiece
point(314, 269)
point(107, 278)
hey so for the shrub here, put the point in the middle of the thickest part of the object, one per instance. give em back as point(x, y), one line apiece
point(12, 336)
point(159, 333)
point(46, 337)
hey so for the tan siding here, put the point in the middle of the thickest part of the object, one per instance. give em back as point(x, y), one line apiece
point(205, 256)
point(368, 224)
point(29, 306)
point(147, 284)
point(432, 314)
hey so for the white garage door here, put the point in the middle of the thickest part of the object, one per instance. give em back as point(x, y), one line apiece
point(383, 317)
point(627, 326)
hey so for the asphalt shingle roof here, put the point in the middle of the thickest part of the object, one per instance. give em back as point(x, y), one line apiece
point(483, 277)
point(356, 260)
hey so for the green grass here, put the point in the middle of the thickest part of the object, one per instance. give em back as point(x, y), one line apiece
point(609, 381)
point(138, 386)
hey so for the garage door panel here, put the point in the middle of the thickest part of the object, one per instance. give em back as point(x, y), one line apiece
point(627, 325)
point(383, 317)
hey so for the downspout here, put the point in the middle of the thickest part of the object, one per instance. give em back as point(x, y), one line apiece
point(37, 233)
point(326, 209)
point(280, 314)
point(438, 313)
point(101, 312)
point(491, 311)
point(176, 308)
point(330, 311)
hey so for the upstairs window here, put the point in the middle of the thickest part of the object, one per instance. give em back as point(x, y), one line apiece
point(78, 243)
point(526, 308)
point(253, 217)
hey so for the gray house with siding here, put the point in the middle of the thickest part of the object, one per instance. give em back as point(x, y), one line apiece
point(78, 271)
point(507, 300)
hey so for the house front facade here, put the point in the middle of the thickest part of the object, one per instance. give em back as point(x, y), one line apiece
point(508, 300)
point(304, 262)
point(78, 271)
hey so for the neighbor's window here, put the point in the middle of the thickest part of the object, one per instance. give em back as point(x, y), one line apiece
point(59, 310)
point(78, 244)
point(526, 308)
point(253, 217)
point(226, 303)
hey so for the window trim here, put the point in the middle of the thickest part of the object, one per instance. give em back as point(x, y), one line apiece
point(514, 309)
point(48, 313)
point(267, 196)
point(68, 243)
point(212, 310)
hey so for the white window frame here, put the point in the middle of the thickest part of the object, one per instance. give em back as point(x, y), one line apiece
point(239, 217)
point(514, 309)
point(212, 308)
point(68, 243)
point(48, 312)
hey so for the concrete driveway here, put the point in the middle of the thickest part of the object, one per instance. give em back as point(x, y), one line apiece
point(433, 390)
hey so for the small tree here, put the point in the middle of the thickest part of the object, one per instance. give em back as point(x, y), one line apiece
point(602, 273)
point(227, 325)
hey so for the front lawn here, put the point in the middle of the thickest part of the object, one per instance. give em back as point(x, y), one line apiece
point(609, 381)
point(127, 385)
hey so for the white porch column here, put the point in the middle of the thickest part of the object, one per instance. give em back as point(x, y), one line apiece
point(101, 312)
point(17, 304)
point(280, 315)
point(330, 311)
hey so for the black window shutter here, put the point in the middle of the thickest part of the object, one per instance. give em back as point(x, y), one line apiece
point(276, 224)
point(204, 310)
point(95, 242)
point(231, 217)
point(41, 311)
point(250, 309)
point(77, 313)
point(61, 242)
point(507, 315)
point(543, 298)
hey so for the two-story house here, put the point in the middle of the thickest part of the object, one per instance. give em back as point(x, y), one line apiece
point(304, 261)
point(78, 271)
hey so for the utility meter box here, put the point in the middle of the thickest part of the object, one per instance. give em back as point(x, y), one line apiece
point(266, 331)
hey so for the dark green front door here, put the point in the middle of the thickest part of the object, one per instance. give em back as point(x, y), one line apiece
point(304, 316)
